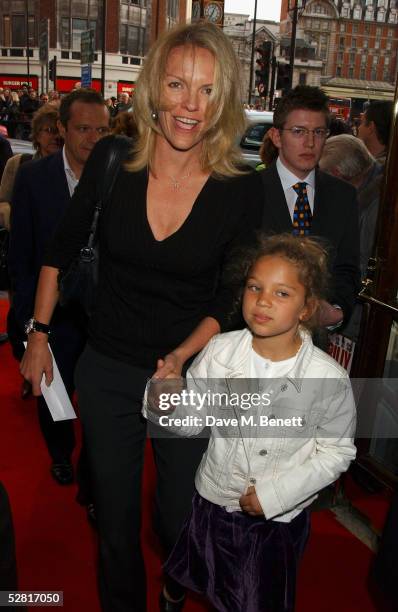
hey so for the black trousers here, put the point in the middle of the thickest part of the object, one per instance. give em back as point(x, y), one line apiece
point(110, 398)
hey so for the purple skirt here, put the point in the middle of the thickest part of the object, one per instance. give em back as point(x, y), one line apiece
point(239, 562)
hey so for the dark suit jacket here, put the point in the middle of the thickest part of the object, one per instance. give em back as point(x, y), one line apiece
point(5, 154)
point(335, 221)
point(40, 198)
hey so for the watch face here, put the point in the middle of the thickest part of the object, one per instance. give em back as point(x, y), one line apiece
point(213, 12)
point(196, 9)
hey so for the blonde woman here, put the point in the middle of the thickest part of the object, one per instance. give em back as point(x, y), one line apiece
point(179, 206)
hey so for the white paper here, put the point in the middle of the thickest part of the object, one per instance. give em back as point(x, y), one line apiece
point(56, 397)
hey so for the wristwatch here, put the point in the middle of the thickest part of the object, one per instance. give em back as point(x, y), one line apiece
point(32, 326)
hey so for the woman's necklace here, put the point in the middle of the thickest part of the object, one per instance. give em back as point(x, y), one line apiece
point(176, 182)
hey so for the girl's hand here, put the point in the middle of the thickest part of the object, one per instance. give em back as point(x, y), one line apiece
point(250, 504)
point(169, 367)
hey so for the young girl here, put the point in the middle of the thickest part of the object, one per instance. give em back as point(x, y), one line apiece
point(249, 522)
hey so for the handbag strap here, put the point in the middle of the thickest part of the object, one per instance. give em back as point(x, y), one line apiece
point(118, 151)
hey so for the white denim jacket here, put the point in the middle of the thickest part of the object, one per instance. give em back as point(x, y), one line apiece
point(289, 468)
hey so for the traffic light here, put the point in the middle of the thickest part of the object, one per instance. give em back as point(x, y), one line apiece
point(283, 80)
point(52, 69)
point(263, 62)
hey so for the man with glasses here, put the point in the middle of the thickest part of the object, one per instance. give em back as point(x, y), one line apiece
point(42, 192)
point(301, 199)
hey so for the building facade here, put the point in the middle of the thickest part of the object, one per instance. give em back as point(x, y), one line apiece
point(355, 39)
point(131, 26)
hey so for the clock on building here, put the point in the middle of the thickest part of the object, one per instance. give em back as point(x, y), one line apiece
point(213, 11)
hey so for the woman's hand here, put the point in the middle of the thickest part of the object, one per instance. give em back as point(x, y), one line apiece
point(37, 360)
point(169, 367)
point(250, 504)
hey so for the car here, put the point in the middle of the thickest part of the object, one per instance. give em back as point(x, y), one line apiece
point(21, 146)
point(258, 124)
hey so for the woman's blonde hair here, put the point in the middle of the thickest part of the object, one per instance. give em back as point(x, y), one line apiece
point(226, 120)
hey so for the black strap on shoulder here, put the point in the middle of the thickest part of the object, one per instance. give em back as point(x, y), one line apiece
point(117, 153)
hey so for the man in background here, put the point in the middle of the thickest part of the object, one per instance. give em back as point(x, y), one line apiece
point(42, 192)
point(374, 129)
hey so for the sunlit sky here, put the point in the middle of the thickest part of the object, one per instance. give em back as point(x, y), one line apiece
point(266, 9)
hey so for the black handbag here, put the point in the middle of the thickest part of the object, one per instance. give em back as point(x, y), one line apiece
point(78, 283)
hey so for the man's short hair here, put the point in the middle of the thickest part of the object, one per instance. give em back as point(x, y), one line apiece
point(302, 97)
point(87, 96)
point(348, 155)
point(380, 113)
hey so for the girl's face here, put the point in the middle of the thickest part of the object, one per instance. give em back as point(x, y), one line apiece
point(274, 299)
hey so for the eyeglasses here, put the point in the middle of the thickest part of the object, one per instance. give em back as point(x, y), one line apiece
point(49, 130)
point(300, 132)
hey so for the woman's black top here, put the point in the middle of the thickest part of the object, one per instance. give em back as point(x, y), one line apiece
point(152, 294)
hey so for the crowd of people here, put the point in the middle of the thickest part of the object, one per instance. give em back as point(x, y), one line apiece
point(208, 270)
point(18, 107)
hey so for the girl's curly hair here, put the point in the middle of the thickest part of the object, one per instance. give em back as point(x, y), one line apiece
point(308, 255)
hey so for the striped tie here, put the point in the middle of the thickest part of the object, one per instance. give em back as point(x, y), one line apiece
point(302, 215)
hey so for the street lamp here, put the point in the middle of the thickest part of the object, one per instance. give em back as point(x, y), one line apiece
point(296, 7)
point(252, 53)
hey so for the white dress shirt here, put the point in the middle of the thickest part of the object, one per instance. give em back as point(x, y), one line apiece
point(288, 179)
point(70, 175)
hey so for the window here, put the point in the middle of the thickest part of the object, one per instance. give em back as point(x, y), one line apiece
point(353, 43)
point(363, 74)
point(352, 58)
point(345, 11)
point(78, 26)
point(6, 31)
point(173, 7)
point(351, 73)
point(64, 33)
point(365, 43)
point(355, 28)
point(379, 31)
point(364, 59)
point(342, 27)
point(18, 31)
point(340, 56)
point(324, 52)
point(386, 75)
point(367, 29)
point(342, 42)
point(132, 39)
point(373, 74)
point(338, 71)
point(377, 44)
point(325, 25)
point(357, 12)
point(380, 14)
point(369, 14)
point(386, 61)
point(302, 78)
point(316, 24)
point(375, 60)
point(390, 33)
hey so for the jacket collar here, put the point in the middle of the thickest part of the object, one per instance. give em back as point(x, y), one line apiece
point(235, 357)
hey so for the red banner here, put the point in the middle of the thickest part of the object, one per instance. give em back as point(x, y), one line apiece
point(15, 81)
point(65, 85)
point(125, 87)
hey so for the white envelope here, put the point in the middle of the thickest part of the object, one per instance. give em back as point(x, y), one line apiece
point(56, 397)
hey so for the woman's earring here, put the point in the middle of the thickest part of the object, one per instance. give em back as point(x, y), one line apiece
point(154, 115)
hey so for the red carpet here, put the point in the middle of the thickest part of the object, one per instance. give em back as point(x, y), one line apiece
point(56, 548)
